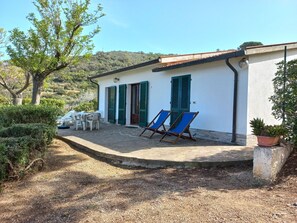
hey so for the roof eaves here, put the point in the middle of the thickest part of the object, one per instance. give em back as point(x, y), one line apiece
point(147, 63)
point(201, 61)
point(269, 48)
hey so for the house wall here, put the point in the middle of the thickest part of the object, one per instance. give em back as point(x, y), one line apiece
point(262, 69)
point(211, 94)
point(158, 90)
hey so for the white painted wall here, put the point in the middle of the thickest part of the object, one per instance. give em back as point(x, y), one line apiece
point(159, 89)
point(261, 71)
point(211, 93)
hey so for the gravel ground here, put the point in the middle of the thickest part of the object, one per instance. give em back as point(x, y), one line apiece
point(74, 187)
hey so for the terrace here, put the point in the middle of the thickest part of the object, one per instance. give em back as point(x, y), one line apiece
point(122, 145)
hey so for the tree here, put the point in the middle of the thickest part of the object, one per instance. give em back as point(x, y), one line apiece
point(56, 39)
point(15, 81)
point(12, 78)
point(284, 98)
point(244, 45)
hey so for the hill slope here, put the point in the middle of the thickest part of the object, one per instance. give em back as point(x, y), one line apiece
point(72, 84)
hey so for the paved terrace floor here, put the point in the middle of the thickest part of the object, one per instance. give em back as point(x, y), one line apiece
point(122, 145)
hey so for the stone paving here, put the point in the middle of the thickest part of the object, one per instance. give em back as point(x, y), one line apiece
point(125, 146)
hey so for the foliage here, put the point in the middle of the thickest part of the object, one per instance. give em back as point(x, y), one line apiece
point(260, 129)
point(88, 106)
point(56, 39)
point(20, 144)
point(57, 103)
point(4, 100)
point(34, 130)
point(14, 80)
point(244, 45)
point(274, 130)
point(28, 114)
point(285, 100)
point(257, 125)
point(2, 41)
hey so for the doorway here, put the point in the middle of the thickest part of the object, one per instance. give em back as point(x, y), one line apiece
point(135, 102)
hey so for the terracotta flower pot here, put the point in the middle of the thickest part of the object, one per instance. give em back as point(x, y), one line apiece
point(268, 141)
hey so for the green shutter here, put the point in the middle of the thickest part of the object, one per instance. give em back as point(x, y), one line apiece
point(122, 104)
point(180, 96)
point(174, 99)
point(143, 106)
point(112, 104)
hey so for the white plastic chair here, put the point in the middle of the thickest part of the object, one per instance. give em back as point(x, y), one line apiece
point(93, 120)
point(78, 121)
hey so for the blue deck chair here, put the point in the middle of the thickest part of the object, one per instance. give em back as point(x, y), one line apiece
point(181, 126)
point(154, 126)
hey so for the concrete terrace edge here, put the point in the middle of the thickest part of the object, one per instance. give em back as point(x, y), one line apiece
point(148, 163)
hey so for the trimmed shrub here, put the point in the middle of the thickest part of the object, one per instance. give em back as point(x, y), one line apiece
point(28, 114)
point(20, 144)
point(39, 131)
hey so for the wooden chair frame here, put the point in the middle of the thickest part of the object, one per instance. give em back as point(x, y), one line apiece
point(156, 130)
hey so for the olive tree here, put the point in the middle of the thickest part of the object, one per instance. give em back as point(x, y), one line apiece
point(13, 79)
point(55, 40)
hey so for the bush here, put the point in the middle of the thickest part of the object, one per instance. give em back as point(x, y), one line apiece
point(58, 103)
point(285, 99)
point(39, 131)
point(28, 114)
point(20, 144)
point(88, 106)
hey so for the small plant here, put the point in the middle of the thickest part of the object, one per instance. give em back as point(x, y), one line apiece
point(257, 125)
point(267, 135)
point(274, 130)
point(260, 129)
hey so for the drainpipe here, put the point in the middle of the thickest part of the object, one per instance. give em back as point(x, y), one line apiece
point(234, 118)
point(97, 92)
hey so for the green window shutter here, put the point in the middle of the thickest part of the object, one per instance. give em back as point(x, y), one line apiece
point(180, 96)
point(112, 104)
point(143, 106)
point(174, 99)
point(185, 93)
point(122, 104)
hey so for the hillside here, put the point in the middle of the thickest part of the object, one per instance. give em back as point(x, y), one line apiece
point(72, 85)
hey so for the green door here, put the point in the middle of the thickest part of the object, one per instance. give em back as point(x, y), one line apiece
point(111, 117)
point(143, 105)
point(122, 104)
point(180, 96)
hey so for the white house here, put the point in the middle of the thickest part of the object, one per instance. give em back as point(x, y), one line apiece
point(228, 88)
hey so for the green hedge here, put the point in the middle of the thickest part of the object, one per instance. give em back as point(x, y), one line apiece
point(28, 114)
point(35, 130)
point(22, 143)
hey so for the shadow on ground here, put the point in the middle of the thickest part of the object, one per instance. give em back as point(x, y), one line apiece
point(70, 195)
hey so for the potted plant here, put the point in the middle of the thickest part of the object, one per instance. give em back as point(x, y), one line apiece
point(267, 135)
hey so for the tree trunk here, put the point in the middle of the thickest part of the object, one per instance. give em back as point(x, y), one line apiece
point(36, 92)
point(17, 99)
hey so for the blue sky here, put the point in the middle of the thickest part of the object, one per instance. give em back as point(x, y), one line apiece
point(179, 26)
